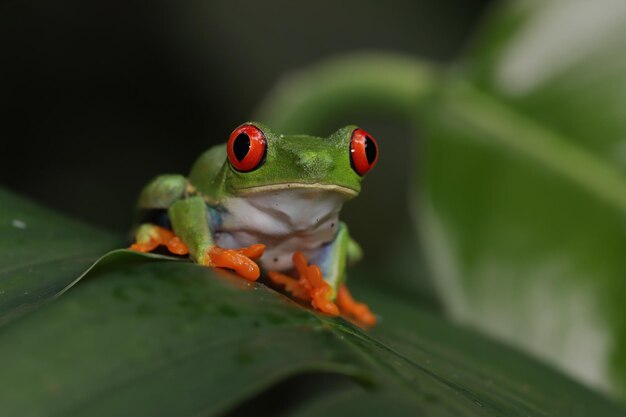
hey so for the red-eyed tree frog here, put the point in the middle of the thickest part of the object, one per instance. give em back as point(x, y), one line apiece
point(267, 202)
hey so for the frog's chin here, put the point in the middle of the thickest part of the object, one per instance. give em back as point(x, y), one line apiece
point(348, 192)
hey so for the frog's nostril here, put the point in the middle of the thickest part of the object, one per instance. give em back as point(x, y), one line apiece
point(315, 164)
point(315, 160)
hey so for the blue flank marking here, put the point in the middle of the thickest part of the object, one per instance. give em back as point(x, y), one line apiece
point(214, 217)
point(324, 257)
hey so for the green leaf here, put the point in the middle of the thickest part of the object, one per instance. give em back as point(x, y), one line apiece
point(523, 210)
point(158, 338)
point(41, 253)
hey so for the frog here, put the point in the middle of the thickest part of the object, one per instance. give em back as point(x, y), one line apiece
point(267, 204)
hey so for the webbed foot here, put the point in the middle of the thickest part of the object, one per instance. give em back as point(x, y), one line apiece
point(351, 308)
point(310, 287)
point(150, 236)
point(242, 261)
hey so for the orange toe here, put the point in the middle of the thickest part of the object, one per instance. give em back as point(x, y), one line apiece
point(312, 280)
point(144, 247)
point(176, 246)
point(157, 235)
point(233, 259)
point(351, 308)
point(321, 301)
point(300, 262)
point(292, 285)
point(253, 251)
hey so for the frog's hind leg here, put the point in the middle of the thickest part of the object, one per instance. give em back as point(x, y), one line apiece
point(149, 236)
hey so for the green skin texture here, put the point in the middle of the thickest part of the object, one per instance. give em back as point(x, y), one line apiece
point(292, 161)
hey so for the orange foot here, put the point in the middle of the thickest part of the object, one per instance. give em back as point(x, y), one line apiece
point(150, 236)
point(351, 308)
point(239, 260)
point(310, 287)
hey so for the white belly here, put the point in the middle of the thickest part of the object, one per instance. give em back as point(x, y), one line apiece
point(285, 221)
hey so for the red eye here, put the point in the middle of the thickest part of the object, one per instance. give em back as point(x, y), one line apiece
point(246, 148)
point(363, 151)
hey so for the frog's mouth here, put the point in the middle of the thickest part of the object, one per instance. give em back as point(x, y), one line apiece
point(349, 192)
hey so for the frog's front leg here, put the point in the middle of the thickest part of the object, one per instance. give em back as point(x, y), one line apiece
point(149, 236)
point(190, 222)
point(311, 286)
point(323, 284)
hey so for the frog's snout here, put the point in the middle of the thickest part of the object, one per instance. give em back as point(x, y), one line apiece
point(315, 164)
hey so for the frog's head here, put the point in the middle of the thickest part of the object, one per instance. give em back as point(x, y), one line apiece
point(261, 160)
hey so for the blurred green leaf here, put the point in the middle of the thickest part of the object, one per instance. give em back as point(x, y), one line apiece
point(386, 82)
point(41, 253)
point(142, 336)
point(523, 209)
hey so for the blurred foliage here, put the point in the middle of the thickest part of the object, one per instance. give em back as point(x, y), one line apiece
point(143, 336)
point(524, 200)
point(41, 253)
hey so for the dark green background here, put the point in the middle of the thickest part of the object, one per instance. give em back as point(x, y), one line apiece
point(97, 97)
